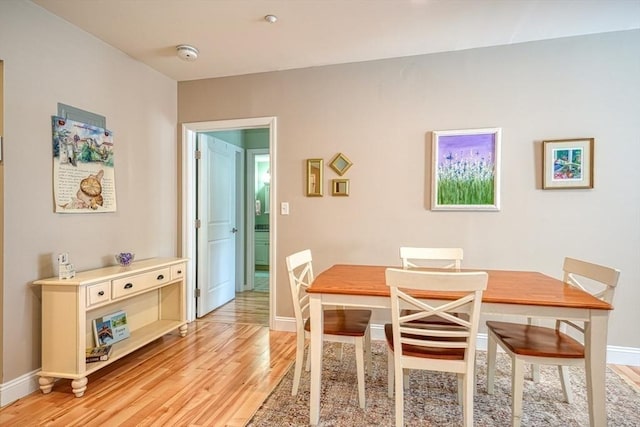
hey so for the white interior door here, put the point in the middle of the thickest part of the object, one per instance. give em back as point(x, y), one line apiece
point(217, 233)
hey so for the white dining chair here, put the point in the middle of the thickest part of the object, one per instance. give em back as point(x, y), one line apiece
point(447, 258)
point(539, 345)
point(413, 257)
point(350, 326)
point(419, 257)
point(432, 346)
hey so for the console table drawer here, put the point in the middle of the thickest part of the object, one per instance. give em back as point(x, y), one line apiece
point(98, 293)
point(177, 271)
point(134, 284)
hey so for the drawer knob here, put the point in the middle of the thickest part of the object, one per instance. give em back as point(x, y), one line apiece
point(128, 286)
point(160, 277)
point(179, 271)
point(101, 293)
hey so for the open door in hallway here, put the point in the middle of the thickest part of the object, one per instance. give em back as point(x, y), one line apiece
point(217, 233)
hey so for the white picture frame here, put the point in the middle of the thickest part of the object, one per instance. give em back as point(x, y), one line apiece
point(466, 170)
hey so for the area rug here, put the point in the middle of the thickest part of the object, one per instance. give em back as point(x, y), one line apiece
point(432, 400)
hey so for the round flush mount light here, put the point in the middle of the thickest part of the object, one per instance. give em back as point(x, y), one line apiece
point(187, 53)
point(271, 19)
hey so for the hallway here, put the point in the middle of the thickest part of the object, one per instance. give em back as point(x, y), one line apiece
point(249, 307)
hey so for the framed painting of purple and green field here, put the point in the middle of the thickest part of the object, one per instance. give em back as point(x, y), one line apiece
point(466, 170)
point(567, 163)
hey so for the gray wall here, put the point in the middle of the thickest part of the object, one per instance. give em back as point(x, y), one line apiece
point(46, 61)
point(380, 114)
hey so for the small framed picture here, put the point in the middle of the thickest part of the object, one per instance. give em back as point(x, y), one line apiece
point(340, 187)
point(340, 164)
point(567, 163)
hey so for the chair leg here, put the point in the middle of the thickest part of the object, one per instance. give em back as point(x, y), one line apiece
point(297, 373)
point(399, 387)
point(468, 381)
point(461, 385)
point(390, 370)
point(367, 337)
point(491, 362)
point(360, 369)
point(566, 384)
point(535, 373)
point(391, 374)
point(474, 378)
point(517, 383)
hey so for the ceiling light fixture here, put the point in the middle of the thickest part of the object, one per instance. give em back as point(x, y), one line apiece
point(271, 19)
point(187, 53)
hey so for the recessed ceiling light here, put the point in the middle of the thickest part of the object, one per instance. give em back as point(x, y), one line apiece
point(271, 19)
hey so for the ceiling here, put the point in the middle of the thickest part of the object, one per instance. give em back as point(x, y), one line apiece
point(233, 37)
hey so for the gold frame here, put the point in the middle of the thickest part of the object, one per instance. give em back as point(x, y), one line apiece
point(581, 163)
point(339, 187)
point(314, 177)
point(340, 164)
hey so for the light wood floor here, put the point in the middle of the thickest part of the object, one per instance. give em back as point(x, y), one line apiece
point(630, 374)
point(248, 307)
point(218, 375)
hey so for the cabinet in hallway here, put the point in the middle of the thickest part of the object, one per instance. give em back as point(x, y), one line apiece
point(262, 247)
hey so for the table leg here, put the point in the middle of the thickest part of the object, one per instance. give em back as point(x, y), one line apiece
point(596, 366)
point(317, 322)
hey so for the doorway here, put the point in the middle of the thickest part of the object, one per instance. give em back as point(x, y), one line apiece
point(258, 196)
point(189, 196)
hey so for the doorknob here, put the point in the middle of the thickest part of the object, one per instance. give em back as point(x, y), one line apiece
point(234, 230)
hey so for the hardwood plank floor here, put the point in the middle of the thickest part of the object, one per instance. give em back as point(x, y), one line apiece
point(218, 375)
point(250, 307)
point(630, 374)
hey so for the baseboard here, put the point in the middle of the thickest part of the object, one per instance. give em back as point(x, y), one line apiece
point(623, 355)
point(28, 383)
point(284, 324)
point(18, 388)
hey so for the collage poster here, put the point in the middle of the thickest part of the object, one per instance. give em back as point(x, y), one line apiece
point(83, 172)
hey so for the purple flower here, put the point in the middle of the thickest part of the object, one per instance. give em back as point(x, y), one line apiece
point(125, 258)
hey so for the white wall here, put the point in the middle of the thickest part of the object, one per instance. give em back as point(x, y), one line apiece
point(46, 61)
point(380, 114)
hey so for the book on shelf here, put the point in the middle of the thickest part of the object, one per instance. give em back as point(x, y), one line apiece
point(100, 353)
point(110, 328)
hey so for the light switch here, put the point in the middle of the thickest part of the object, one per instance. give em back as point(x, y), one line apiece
point(284, 208)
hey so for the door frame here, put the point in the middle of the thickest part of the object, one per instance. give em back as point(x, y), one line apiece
point(188, 211)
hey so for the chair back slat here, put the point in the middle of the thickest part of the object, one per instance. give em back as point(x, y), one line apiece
point(462, 335)
point(431, 257)
point(587, 276)
point(300, 268)
point(581, 273)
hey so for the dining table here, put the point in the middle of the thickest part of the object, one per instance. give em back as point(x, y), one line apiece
point(510, 293)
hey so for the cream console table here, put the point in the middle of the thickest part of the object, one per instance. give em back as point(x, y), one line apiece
point(151, 291)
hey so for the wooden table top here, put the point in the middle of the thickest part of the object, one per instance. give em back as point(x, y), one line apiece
point(504, 287)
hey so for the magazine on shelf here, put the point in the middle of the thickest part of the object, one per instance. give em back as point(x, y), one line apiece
point(111, 328)
point(97, 354)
